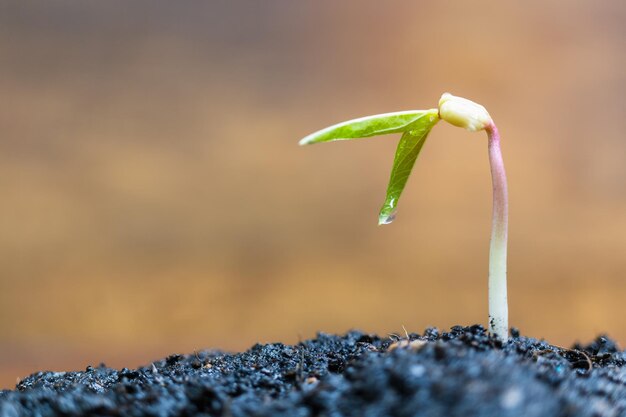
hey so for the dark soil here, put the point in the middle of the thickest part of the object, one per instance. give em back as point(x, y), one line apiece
point(463, 372)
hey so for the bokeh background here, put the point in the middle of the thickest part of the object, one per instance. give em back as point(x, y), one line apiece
point(154, 199)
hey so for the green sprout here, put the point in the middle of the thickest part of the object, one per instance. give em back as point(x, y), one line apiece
point(415, 125)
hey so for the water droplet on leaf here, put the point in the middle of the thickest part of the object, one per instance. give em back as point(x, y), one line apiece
point(387, 218)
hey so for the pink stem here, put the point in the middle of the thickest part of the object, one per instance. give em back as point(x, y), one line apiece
point(498, 304)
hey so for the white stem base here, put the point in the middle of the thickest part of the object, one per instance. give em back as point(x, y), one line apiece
point(498, 303)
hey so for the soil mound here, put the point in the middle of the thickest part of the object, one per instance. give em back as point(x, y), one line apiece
point(463, 372)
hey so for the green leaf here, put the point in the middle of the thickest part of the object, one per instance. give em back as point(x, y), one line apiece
point(408, 149)
point(380, 124)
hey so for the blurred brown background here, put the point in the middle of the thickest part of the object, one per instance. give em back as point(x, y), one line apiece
point(154, 198)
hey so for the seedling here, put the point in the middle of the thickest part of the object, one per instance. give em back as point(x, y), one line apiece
point(415, 125)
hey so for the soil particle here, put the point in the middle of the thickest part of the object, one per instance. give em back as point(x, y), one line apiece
point(463, 372)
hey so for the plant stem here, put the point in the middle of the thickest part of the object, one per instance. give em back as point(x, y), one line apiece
point(498, 304)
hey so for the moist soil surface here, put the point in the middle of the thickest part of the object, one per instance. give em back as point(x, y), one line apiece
point(463, 372)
